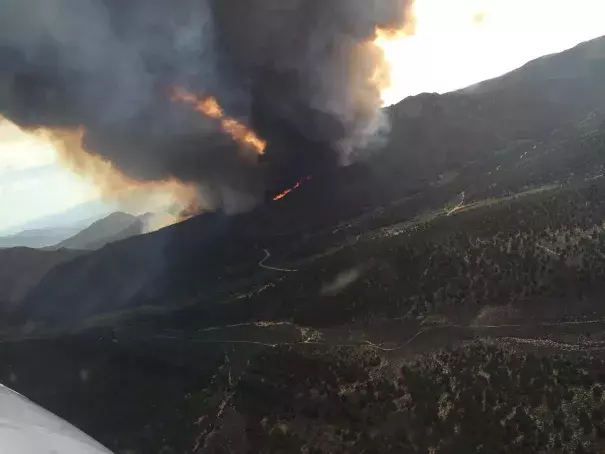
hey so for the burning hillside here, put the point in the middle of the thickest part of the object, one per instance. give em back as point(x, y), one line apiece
point(284, 193)
point(299, 84)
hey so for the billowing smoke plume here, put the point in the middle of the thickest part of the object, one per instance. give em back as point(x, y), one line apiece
point(302, 73)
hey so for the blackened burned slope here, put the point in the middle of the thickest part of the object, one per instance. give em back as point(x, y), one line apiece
point(434, 132)
point(22, 268)
point(202, 258)
point(127, 273)
point(205, 257)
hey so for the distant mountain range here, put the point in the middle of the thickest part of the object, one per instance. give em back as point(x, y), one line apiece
point(38, 238)
point(26, 257)
point(93, 235)
point(77, 217)
point(117, 226)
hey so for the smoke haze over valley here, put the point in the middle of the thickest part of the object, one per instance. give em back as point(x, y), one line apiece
point(305, 226)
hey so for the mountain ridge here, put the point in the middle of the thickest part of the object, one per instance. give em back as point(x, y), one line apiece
point(431, 134)
point(114, 227)
point(37, 238)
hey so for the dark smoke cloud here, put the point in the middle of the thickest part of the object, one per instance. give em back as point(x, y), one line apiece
point(295, 69)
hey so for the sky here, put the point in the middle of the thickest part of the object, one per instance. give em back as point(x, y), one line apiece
point(457, 44)
point(32, 183)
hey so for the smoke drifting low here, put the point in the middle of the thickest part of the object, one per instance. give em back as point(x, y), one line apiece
point(302, 73)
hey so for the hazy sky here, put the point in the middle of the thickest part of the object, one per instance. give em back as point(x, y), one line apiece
point(458, 43)
point(32, 183)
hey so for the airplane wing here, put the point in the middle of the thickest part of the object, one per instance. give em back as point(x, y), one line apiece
point(26, 428)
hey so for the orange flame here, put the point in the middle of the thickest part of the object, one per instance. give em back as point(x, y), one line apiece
point(283, 194)
point(210, 107)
